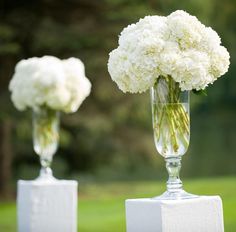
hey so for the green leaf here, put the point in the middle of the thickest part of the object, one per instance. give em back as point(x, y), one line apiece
point(202, 92)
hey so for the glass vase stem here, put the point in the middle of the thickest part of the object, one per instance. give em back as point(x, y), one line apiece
point(45, 171)
point(173, 166)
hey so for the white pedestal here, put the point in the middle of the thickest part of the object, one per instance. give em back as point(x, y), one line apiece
point(203, 214)
point(47, 206)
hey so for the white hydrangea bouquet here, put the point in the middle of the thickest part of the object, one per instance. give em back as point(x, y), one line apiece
point(49, 82)
point(171, 56)
point(178, 46)
point(48, 85)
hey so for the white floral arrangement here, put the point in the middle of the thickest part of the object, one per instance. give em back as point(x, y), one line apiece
point(178, 45)
point(51, 82)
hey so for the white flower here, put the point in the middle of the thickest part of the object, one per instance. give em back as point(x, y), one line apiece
point(185, 29)
point(219, 61)
point(78, 86)
point(133, 65)
point(178, 45)
point(49, 81)
point(191, 70)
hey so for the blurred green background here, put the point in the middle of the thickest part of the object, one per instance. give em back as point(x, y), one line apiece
point(108, 144)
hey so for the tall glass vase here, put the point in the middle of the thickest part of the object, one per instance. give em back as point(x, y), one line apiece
point(45, 138)
point(171, 125)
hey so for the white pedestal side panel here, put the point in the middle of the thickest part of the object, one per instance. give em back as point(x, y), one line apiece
point(203, 214)
point(47, 206)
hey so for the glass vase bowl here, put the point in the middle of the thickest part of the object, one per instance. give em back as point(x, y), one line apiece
point(45, 137)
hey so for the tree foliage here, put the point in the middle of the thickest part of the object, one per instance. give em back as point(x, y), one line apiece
point(111, 134)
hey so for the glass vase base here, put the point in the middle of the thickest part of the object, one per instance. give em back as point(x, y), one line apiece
point(178, 195)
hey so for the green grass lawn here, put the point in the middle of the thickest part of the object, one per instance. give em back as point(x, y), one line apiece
point(101, 206)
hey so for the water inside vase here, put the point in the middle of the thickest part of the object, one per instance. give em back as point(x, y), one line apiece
point(171, 125)
point(45, 133)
